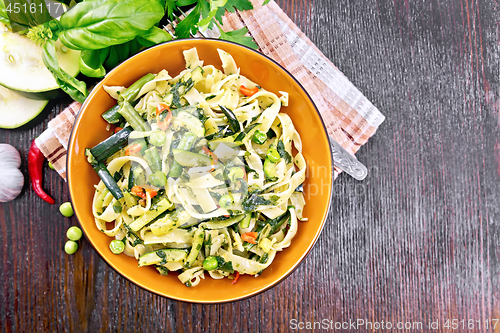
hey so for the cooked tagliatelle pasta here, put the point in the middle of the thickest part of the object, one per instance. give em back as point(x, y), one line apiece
point(203, 174)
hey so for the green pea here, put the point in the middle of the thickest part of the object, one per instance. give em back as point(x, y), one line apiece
point(226, 200)
point(116, 246)
point(273, 155)
point(70, 247)
point(158, 179)
point(66, 209)
point(259, 137)
point(210, 263)
point(51, 166)
point(236, 173)
point(74, 233)
point(158, 138)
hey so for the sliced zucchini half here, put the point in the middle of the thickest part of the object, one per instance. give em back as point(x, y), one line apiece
point(16, 110)
point(23, 69)
point(162, 256)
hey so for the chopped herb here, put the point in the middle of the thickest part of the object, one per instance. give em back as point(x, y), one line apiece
point(264, 258)
point(163, 257)
point(252, 201)
point(283, 153)
point(117, 207)
point(179, 89)
point(162, 270)
point(135, 240)
point(223, 265)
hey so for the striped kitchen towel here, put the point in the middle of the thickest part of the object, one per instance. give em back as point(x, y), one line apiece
point(350, 118)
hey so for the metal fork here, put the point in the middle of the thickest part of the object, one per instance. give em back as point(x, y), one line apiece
point(342, 159)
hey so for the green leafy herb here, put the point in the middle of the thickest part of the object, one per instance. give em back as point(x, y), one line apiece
point(75, 88)
point(117, 207)
point(264, 258)
point(154, 36)
point(252, 201)
point(162, 270)
point(238, 36)
point(179, 89)
point(4, 18)
point(96, 24)
point(163, 257)
point(231, 119)
point(135, 240)
point(91, 64)
point(189, 25)
point(276, 223)
point(231, 6)
point(223, 265)
point(283, 153)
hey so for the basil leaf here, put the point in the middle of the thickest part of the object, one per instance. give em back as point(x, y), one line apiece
point(118, 53)
point(91, 64)
point(96, 24)
point(73, 87)
point(154, 36)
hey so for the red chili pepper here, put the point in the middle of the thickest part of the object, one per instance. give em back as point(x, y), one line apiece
point(134, 149)
point(247, 91)
point(250, 237)
point(35, 170)
point(138, 191)
point(118, 129)
point(152, 192)
point(141, 192)
point(236, 277)
point(163, 125)
point(244, 173)
point(215, 159)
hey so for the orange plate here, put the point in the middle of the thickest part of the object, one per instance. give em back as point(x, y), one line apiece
point(89, 130)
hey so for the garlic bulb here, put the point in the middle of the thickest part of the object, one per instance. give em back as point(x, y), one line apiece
point(11, 178)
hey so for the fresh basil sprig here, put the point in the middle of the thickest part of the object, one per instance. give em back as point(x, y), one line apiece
point(109, 31)
point(104, 30)
point(96, 24)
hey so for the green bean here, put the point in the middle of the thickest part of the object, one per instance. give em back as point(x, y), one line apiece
point(131, 93)
point(133, 118)
point(186, 143)
point(153, 158)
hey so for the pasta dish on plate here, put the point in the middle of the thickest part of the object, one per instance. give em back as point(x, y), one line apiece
point(203, 174)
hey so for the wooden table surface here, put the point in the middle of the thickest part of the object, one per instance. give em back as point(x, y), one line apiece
point(416, 244)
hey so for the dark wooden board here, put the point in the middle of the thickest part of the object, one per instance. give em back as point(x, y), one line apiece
point(418, 241)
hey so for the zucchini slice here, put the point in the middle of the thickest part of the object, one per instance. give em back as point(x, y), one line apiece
point(23, 69)
point(16, 110)
point(190, 159)
point(160, 257)
point(189, 122)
